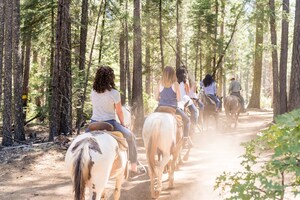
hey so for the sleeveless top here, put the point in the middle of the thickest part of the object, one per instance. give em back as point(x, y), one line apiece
point(167, 97)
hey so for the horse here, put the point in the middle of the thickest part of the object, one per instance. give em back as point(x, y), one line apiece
point(92, 159)
point(209, 109)
point(233, 108)
point(95, 157)
point(160, 136)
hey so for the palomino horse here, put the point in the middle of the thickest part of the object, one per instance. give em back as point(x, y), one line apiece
point(233, 108)
point(209, 109)
point(159, 135)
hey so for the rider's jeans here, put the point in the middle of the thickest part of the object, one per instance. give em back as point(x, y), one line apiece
point(194, 113)
point(186, 122)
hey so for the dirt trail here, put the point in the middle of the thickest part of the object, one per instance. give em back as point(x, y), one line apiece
point(39, 174)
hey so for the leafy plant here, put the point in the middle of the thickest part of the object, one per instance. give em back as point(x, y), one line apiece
point(271, 164)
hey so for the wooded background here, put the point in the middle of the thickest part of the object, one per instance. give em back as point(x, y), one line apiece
point(50, 50)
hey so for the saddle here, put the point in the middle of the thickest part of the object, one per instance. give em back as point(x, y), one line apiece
point(238, 97)
point(172, 111)
point(117, 135)
point(122, 143)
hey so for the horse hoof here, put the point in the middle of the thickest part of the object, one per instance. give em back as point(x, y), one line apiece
point(155, 195)
point(185, 158)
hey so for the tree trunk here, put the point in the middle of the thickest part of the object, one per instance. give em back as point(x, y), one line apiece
point(215, 35)
point(179, 33)
point(66, 74)
point(26, 72)
point(2, 17)
point(161, 36)
point(274, 59)
point(102, 33)
point(18, 73)
point(148, 53)
point(127, 62)
point(60, 119)
point(257, 71)
point(221, 80)
point(294, 98)
point(284, 57)
point(82, 52)
point(122, 65)
point(7, 110)
point(52, 58)
point(137, 89)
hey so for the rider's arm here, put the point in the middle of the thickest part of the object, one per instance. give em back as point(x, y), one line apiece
point(176, 87)
point(187, 87)
point(119, 112)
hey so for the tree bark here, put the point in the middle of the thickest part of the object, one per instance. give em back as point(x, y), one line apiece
point(61, 110)
point(66, 80)
point(179, 33)
point(2, 17)
point(7, 109)
point(284, 57)
point(148, 53)
point(137, 89)
point(161, 37)
point(294, 98)
point(26, 72)
point(122, 65)
point(274, 59)
point(82, 52)
point(257, 68)
point(102, 32)
point(18, 73)
point(127, 62)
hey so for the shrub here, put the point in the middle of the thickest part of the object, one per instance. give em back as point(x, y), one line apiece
point(271, 164)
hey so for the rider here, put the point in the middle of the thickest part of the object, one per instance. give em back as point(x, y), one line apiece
point(168, 94)
point(182, 79)
point(105, 102)
point(234, 89)
point(210, 89)
point(193, 94)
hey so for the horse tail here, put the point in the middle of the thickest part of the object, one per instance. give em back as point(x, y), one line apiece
point(81, 172)
point(152, 146)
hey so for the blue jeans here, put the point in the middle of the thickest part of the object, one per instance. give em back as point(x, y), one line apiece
point(200, 104)
point(128, 135)
point(216, 100)
point(186, 122)
point(194, 113)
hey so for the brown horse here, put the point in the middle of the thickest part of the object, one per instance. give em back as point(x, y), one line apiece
point(233, 108)
point(209, 109)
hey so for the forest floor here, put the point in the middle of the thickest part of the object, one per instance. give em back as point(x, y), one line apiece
point(38, 173)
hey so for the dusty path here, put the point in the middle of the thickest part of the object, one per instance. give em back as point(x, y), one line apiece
point(39, 174)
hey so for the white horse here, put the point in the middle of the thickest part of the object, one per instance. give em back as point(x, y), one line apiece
point(159, 135)
point(92, 159)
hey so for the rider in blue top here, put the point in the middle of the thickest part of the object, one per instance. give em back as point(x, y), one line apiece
point(210, 89)
point(168, 94)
